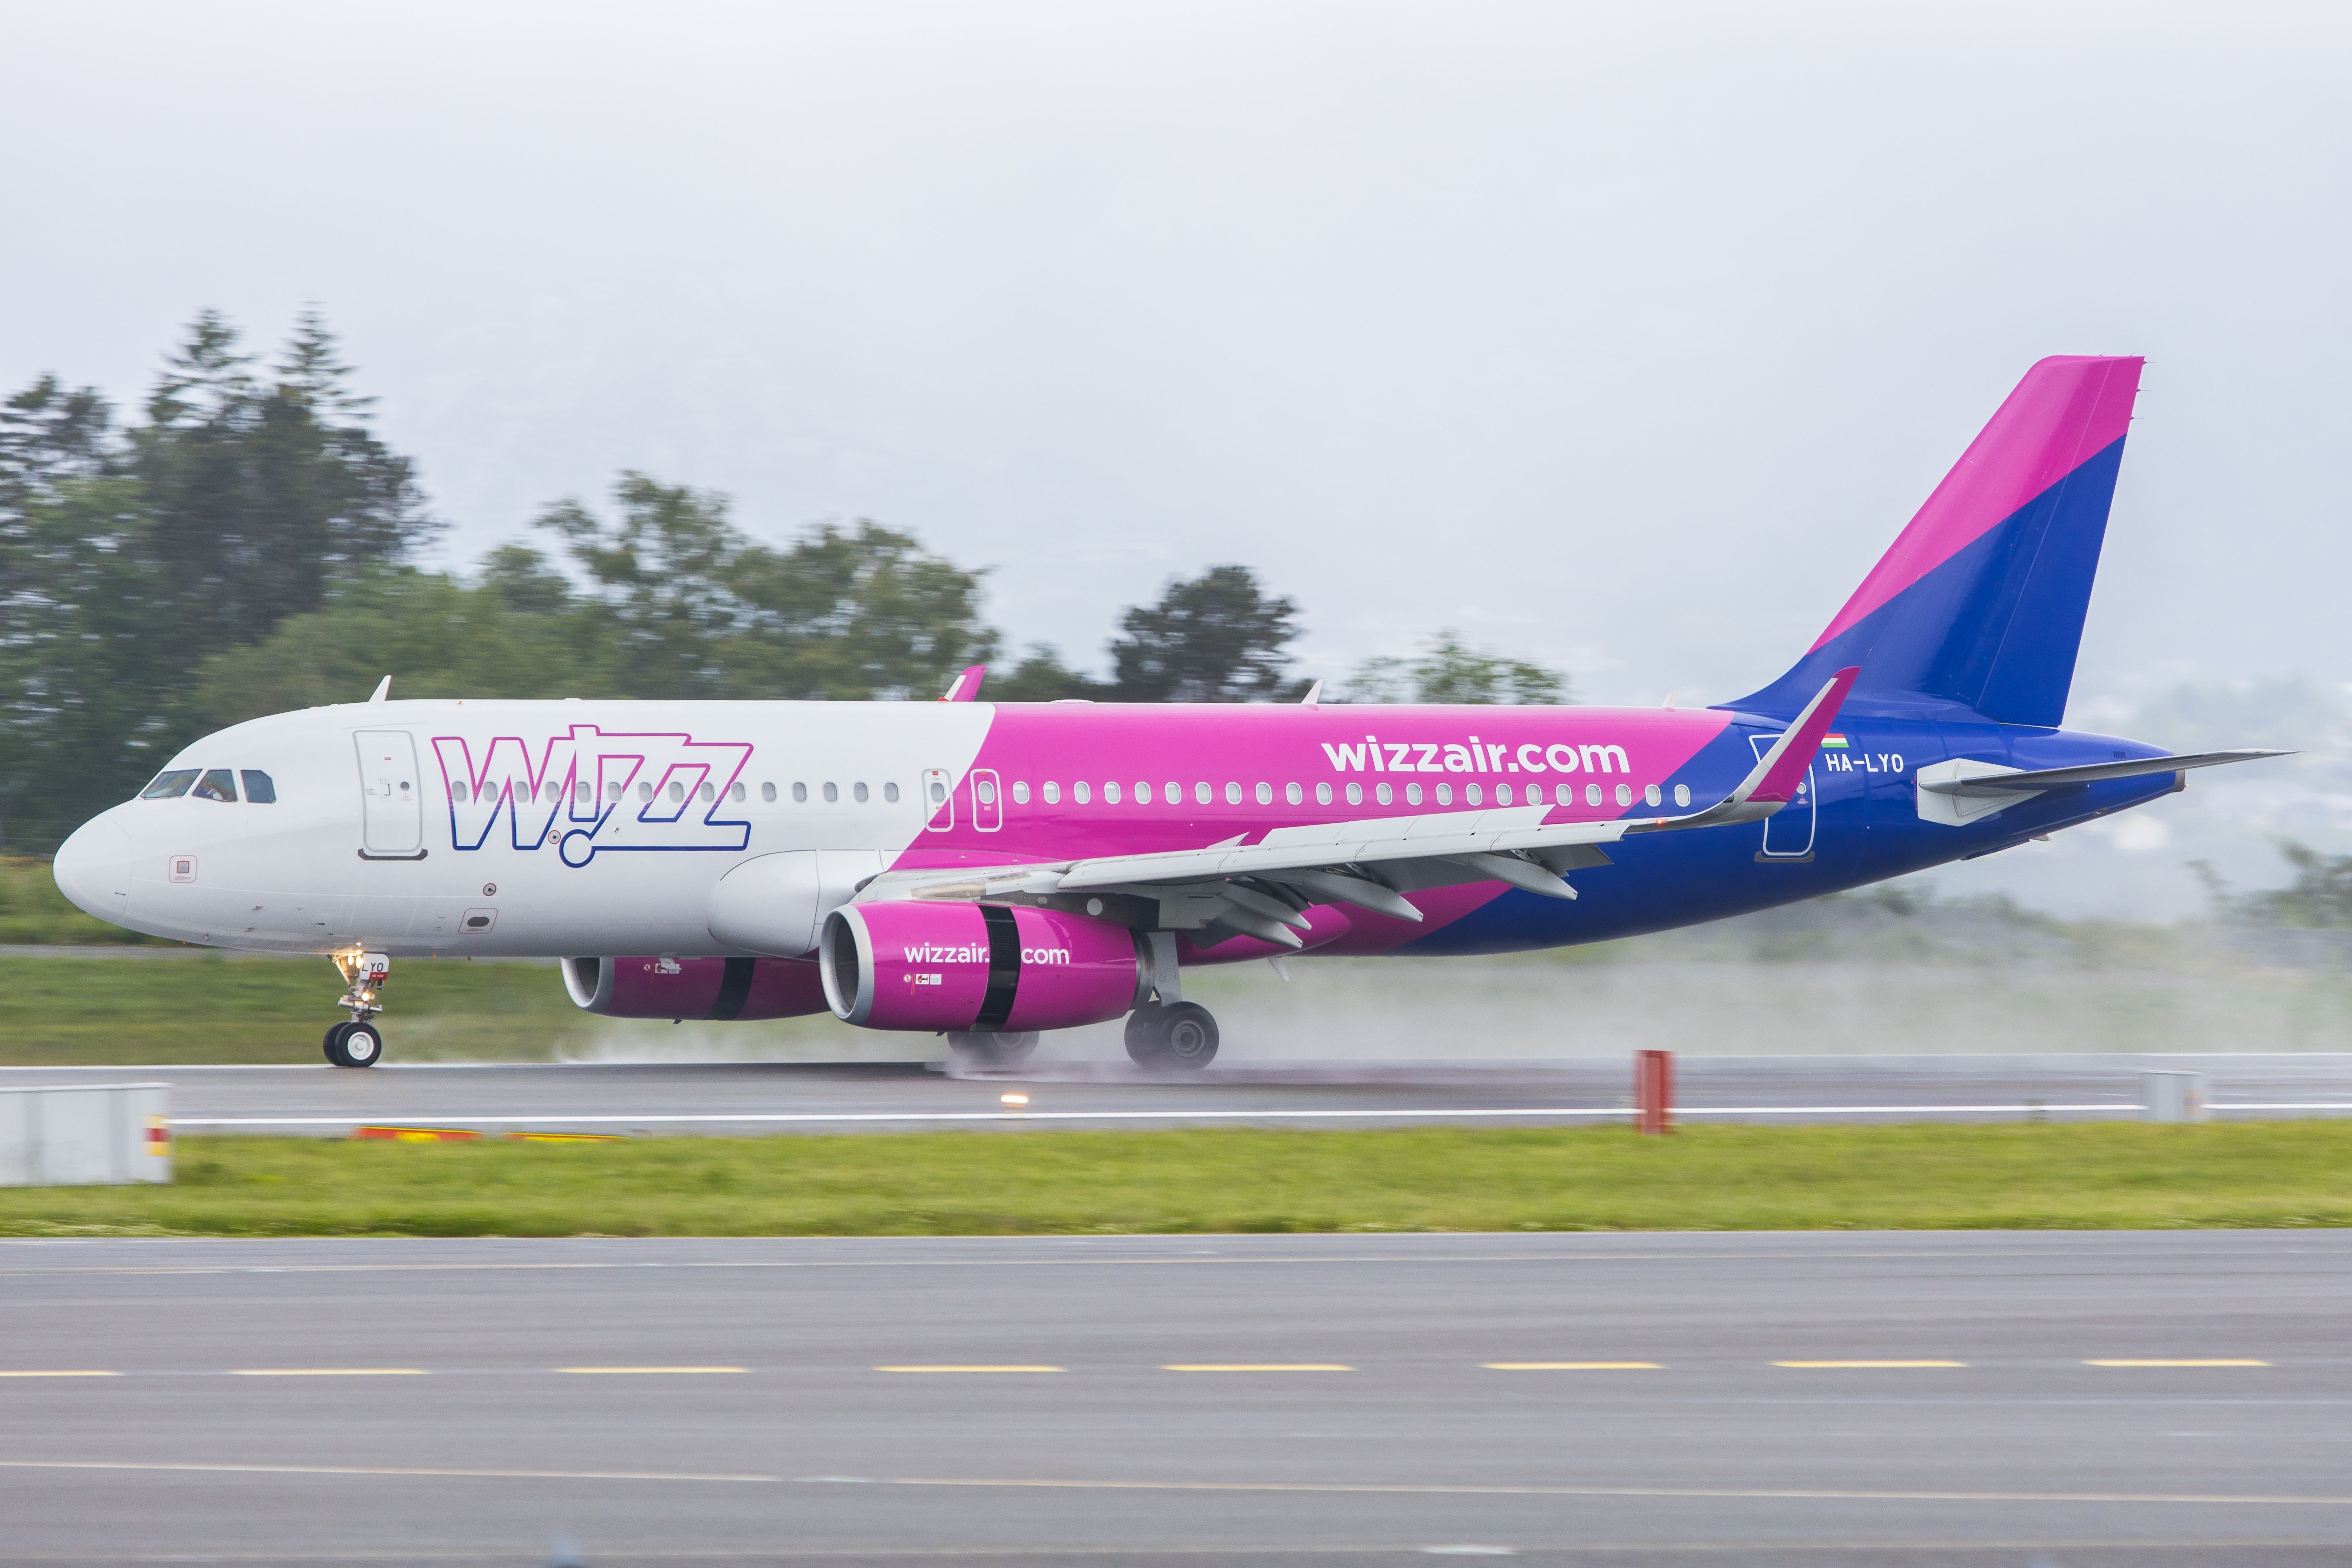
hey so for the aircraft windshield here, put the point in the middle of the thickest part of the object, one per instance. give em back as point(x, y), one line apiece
point(171, 785)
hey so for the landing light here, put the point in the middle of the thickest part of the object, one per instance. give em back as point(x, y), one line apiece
point(1013, 1099)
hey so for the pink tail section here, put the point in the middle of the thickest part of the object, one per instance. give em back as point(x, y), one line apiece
point(2067, 408)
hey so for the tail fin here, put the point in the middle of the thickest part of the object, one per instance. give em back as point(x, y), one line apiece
point(1981, 600)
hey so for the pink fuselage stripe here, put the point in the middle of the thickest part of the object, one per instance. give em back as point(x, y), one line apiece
point(2064, 411)
point(1235, 749)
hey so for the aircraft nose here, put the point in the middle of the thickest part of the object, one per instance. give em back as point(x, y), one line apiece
point(93, 867)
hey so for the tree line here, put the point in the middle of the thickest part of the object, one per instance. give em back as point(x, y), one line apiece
point(244, 544)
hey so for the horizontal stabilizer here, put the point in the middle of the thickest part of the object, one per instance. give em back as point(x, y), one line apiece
point(1990, 785)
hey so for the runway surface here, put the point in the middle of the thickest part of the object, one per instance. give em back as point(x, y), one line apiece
point(739, 1098)
point(2026, 1399)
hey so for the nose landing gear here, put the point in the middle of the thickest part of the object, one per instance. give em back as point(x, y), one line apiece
point(358, 1042)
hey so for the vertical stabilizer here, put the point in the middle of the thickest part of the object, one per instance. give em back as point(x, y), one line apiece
point(1981, 600)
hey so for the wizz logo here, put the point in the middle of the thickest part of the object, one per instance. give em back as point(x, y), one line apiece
point(590, 791)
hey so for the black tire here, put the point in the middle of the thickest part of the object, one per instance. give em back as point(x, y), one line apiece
point(1145, 1039)
point(354, 1044)
point(1188, 1037)
point(993, 1051)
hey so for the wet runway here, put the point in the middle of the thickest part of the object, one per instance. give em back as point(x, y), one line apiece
point(2028, 1399)
point(739, 1098)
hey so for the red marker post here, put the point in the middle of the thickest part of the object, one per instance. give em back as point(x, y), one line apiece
point(1654, 1092)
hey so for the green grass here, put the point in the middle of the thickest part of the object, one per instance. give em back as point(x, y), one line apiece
point(172, 1008)
point(1053, 1182)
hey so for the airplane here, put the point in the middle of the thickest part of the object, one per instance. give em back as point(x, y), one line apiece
point(990, 871)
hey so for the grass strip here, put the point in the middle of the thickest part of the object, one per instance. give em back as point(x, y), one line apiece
point(1917, 1176)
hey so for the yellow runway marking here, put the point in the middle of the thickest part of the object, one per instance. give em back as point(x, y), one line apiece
point(1819, 1365)
point(968, 1369)
point(44, 1371)
point(1259, 1366)
point(1572, 1367)
point(2210, 1362)
point(647, 1370)
point(328, 1372)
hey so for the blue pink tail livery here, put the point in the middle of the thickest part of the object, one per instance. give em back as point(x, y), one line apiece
point(1981, 602)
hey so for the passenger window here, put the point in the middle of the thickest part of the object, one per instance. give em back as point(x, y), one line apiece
point(1593, 795)
point(1052, 793)
point(1446, 794)
point(215, 784)
point(676, 792)
point(458, 792)
point(551, 790)
point(1202, 793)
point(890, 793)
point(583, 791)
point(735, 793)
point(1081, 790)
point(644, 791)
point(1176, 793)
point(1412, 794)
point(259, 788)
point(858, 793)
point(1020, 793)
point(1355, 795)
point(171, 785)
point(1233, 795)
point(1565, 795)
point(1291, 793)
point(1322, 794)
point(1503, 793)
point(707, 792)
point(1383, 795)
point(1110, 793)
point(768, 793)
point(983, 791)
point(1472, 796)
point(1624, 794)
point(1682, 795)
point(1650, 795)
point(613, 790)
point(1265, 795)
point(800, 792)
point(832, 793)
point(1143, 795)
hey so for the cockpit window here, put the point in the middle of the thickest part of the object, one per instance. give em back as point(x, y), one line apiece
point(171, 785)
point(259, 788)
point(217, 784)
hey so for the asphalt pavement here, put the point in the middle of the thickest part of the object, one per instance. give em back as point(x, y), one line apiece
point(751, 1097)
point(2028, 1399)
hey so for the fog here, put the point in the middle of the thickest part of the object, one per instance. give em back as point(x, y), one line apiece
point(1623, 338)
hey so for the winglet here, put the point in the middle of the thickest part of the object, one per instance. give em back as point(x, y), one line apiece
point(965, 687)
point(383, 689)
point(1314, 695)
point(1777, 773)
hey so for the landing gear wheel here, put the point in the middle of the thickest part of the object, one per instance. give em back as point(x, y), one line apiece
point(354, 1046)
point(993, 1051)
point(1174, 1034)
point(1143, 1043)
point(1188, 1037)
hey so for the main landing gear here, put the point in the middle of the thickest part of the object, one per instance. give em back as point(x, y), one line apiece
point(993, 1051)
point(358, 1042)
point(1171, 1035)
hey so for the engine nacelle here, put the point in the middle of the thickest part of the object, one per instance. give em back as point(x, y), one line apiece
point(984, 967)
point(681, 988)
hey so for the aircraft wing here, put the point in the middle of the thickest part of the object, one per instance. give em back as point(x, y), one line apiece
point(1262, 889)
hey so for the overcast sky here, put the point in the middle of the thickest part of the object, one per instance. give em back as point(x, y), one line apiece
point(1621, 337)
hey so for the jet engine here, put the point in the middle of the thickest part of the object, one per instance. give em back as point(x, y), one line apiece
point(683, 988)
point(990, 968)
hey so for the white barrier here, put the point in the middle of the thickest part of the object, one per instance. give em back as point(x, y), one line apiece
point(85, 1135)
point(2172, 1096)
